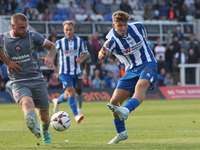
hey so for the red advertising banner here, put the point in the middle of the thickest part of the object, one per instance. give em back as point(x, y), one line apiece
point(180, 92)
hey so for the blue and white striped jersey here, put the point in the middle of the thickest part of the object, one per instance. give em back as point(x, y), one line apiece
point(131, 49)
point(69, 51)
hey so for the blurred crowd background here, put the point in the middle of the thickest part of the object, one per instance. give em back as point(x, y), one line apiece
point(175, 49)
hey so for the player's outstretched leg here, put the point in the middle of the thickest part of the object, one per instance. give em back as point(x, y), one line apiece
point(122, 112)
point(55, 105)
point(119, 137)
point(33, 127)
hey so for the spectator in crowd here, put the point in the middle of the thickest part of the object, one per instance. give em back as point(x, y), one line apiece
point(89, 18)
point(88, 5)
point(175, 45)
point(113, 82)
point(46, 15)
point(107, 79)
point(53, 37)
point(180, 58)
point(96, 81)
point(114, 7)
point(91, 49)
point(172, 14)
point(25, 5)
point(162, 64)
point(192, 10)
point(112, 67)
point(161, 78)
point(169, 56)
point(178, 33)
point(148, 12)
point(168, 81)
point(52, 6)
point(192, 59)
point(3, 5)
point(197, 4)
point(103, 71)
point(141, 5)
point(159, 50)
point(124, 6)
point(27, 12)
point(10, 9)
point(197, 15)
point(71, 9)
point(184, 43)
point(95, 41)
point(100, 7)
point(182, 13)
point(169, 36)
point(163, 11)
point(41, 6)
point(193, 45)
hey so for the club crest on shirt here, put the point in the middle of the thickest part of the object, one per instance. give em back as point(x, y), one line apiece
point(18, 48)
point(17, 94)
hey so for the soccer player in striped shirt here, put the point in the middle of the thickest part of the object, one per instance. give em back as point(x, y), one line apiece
point(127, 41)
point(72, 52)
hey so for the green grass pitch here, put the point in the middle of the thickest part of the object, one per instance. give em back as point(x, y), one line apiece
point(154, 125)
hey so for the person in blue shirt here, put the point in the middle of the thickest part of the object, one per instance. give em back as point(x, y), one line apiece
point(72, 52)
point(127, 41)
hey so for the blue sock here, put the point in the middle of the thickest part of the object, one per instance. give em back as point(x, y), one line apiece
point(119, 125)
point(61, 99)
point(72, 104)
point(132, 104)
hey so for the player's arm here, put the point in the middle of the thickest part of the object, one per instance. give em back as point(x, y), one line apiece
point(51, 55)
point(82, 58)
point(11, 65)
point(103, 53)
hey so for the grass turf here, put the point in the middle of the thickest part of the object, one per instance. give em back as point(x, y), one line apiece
point(155, 125)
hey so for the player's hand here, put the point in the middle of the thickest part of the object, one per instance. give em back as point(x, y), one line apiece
point(103, 50)
point(14, 66)
point(48, 62)
point(78, 60)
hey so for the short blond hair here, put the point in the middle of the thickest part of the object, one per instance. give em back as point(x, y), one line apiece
point(120, 16)
point(68, 23)
point(18, 17)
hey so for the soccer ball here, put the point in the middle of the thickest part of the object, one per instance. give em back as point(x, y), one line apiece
point(60, 121)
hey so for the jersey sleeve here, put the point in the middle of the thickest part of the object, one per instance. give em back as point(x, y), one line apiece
point(109, 45)
point(37, 38)
point(83, 46)
point(57, 44)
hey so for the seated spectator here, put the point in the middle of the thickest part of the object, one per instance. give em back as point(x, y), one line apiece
point(112, 67)
point(114, 7)
point(178, 33)
point(108, 79)
point(52, 6)
point(46, 15)
point(161, 78)
point(172, 14)
point(168, 81)
point(124, 6)
point(41, 6)
point(54, 83)
point(148, 12)
point(96, 82)
point(159, 50)
point(113, 82)
point(88, 5)
point(100, 7)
